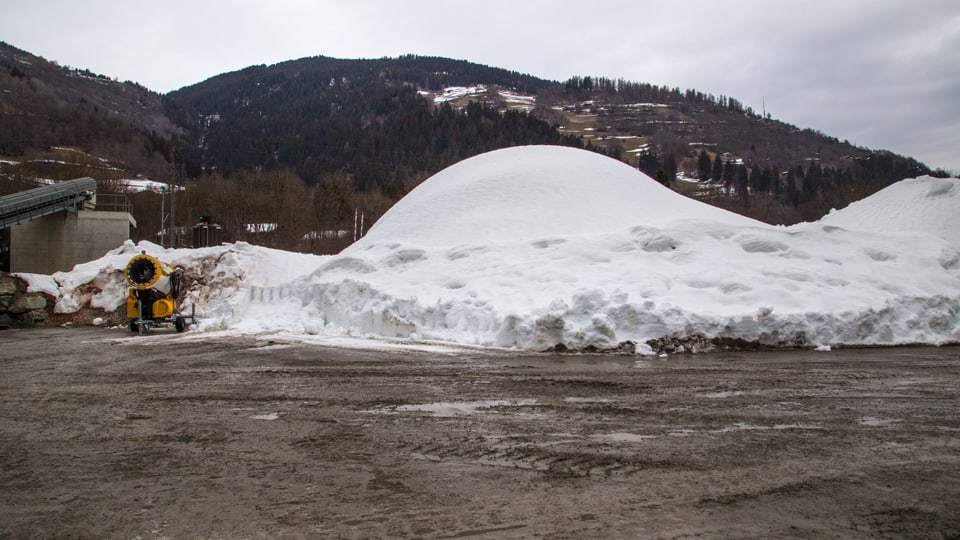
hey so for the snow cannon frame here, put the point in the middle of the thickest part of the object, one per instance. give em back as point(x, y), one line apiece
point(152, 296)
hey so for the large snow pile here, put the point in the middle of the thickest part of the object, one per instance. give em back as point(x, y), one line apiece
point(533, 193)
point(530, 247)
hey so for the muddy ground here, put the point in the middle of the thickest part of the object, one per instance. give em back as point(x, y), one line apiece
point(107, 435)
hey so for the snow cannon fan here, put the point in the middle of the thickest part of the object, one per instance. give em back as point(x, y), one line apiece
point(153, 293)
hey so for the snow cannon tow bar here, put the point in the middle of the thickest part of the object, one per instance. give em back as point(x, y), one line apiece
point(153, 293)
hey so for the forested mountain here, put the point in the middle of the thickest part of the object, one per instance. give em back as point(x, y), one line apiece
point(389, 122)
point(743, 159)
point(364, 118)
point(335, 138)
point(45, 107)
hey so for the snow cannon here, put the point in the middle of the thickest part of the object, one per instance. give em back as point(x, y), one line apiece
point(152, 297)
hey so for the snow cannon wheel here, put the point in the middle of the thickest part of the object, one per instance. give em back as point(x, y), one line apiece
point(134, 327)
point(180, 324)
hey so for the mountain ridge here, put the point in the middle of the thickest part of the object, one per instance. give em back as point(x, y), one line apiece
point(374, 128)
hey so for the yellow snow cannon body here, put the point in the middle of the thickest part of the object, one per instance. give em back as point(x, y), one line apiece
point(153, 293)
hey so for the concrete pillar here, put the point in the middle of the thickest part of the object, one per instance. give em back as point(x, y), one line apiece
point(57, 242)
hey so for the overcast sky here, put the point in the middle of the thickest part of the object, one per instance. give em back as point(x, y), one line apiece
point(882, 74)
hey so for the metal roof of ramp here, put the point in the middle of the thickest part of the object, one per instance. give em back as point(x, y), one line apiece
point(45, 200)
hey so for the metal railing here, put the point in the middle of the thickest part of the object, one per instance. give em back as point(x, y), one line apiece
point(33, 203)
point(113, 202)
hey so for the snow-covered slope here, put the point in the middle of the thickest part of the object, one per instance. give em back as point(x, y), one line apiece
point(924, 205)
point(534, 246)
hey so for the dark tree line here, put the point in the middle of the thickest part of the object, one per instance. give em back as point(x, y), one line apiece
point(631, 91)
point(801, 192)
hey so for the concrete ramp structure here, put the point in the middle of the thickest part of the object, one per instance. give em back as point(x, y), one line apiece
point(70, 195)
point(54, 227)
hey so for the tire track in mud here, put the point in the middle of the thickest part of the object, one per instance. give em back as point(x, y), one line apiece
point(529, 456)
point(563, 458)
point(547, 438)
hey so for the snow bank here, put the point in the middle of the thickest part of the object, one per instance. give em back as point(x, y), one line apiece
point(217, 278)
point(534, 246)
point(922, 205)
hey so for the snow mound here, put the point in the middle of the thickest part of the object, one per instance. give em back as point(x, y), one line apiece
point(531, 247)
point(925, 204)
point(529, 192)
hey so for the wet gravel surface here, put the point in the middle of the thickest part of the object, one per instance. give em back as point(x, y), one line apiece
point(109, 435)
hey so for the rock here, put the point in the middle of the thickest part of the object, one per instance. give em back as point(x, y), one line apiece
point(20, 308)
point(698, 343)
point(8, 286)
point(624, 347)
point(28, 302)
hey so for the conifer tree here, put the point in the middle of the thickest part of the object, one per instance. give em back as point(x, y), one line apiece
point(755, 178)
point(742, 181)
point(703, 166)
point(670, 168)
point(717, 173)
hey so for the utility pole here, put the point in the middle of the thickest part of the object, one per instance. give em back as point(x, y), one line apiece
point(173, 208)
point(163, 214)
point(356, 215)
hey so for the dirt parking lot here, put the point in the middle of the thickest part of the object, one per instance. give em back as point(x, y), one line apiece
point(107, 435)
